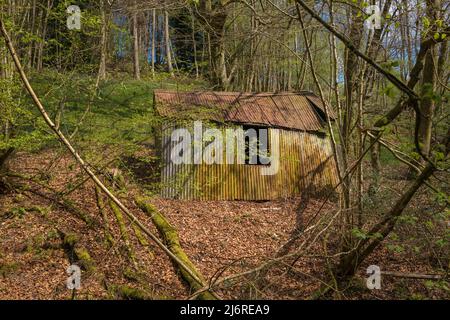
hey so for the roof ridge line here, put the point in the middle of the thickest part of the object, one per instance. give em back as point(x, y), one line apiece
point(233, 93)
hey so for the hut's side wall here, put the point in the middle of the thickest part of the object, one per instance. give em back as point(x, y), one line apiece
point(306, 164)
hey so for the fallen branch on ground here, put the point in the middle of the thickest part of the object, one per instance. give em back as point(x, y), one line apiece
point(124, 233)
point(411, 275)
point(101, 208)
point(55, 196)
point(172, 241)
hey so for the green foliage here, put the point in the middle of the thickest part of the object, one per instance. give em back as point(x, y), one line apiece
point(8, 268)
point(361, 234)
point(408, 219)
point(390, 91)
point(118, 117)
point(386, 157)
point(395, 248)
point(19, 127)
point(16, 212)
point(68, 47)
point(438, 285)
point(428, 92)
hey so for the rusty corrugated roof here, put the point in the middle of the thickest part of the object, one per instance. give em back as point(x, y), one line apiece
point(301, 111)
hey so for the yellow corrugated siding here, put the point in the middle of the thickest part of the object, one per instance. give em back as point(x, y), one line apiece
point(301, 168)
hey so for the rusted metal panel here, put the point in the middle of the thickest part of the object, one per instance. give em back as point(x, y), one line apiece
point(247, 111)
point(283, 110)
point(306, 164)
point(305, 112)
point(319, 104)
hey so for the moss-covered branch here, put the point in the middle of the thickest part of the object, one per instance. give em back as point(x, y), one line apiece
point(77, 253)
point(170, 235)
point(101, 208)
point(123, 232)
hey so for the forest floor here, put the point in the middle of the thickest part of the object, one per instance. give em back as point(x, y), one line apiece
point(214, 234)
point(220, 237)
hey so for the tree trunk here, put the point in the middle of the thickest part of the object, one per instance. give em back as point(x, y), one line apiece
point(428, 83)
point(32, 31)
point(351, 70)
point(167, 41)
point(103, 43)
point(137, 69)
point(214, 16)
point(44, 35)
point(154, 22)
point(4, 156)
point(194, 44)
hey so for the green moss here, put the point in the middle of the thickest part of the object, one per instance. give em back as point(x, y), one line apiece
point(381, 122)
point(109, 240)
point(52, 234)
point(81, 254)
point(42, 211)
point(8, 268)
point(84, 259)
point(70, 240)
point(18, 212)
point(123, 231)
point(142, 240)
point(131, 275)
point(130, 293)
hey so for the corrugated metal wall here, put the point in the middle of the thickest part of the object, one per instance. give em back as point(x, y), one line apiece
point(306, 164)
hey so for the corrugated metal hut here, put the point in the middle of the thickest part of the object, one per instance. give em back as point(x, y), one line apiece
point(297, 120)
